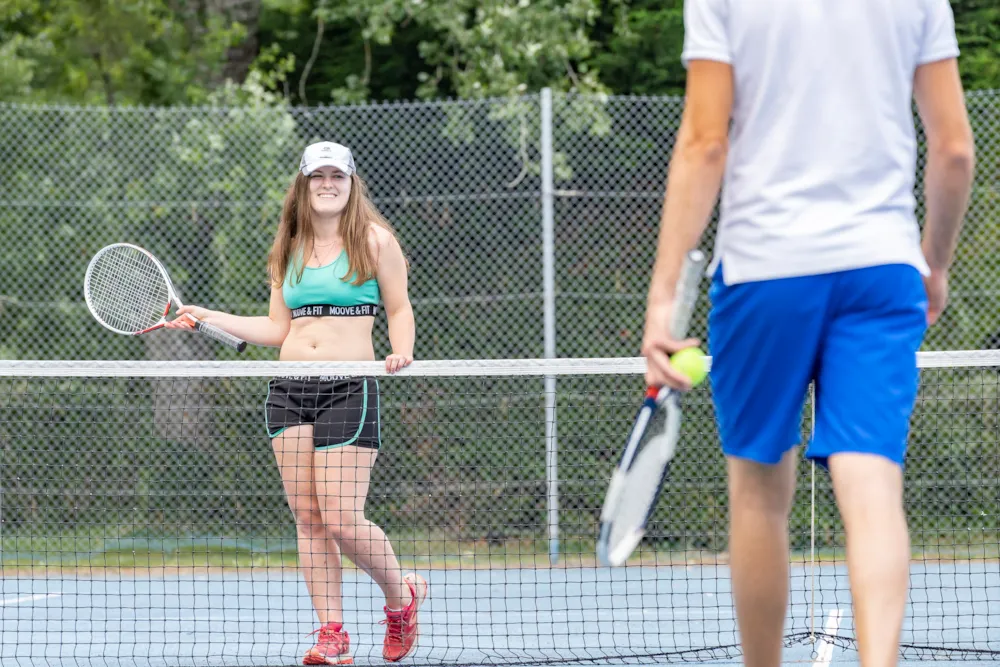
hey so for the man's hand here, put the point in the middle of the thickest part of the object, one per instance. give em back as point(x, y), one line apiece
point(936, 285)
point(657, 346)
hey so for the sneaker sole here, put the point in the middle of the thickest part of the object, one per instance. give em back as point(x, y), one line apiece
point(311, 659)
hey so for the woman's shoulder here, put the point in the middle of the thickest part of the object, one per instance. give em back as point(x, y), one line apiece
point(379, 237)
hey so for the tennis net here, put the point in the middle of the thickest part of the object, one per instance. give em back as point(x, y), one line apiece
point(143, 519)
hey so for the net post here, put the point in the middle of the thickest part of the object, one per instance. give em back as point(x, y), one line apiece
point(549, 318)
point(2, 462)
point(812, 522)
point(551, 468)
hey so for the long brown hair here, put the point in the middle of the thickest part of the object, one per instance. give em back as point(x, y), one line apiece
point(296, 235)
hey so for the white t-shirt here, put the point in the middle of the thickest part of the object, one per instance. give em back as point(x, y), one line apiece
point(822, 147)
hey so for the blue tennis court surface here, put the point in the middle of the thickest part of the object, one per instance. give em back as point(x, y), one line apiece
point(529, 616)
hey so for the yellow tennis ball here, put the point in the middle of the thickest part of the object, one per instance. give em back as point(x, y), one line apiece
point(691, 362)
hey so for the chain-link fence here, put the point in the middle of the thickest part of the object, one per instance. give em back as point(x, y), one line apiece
point(201, 188)
point(143, 473)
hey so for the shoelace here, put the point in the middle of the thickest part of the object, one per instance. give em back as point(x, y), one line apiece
point(328, 635)
point(395, 625)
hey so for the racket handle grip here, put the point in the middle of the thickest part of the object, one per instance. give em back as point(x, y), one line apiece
point(223, 337)
point(687, 293)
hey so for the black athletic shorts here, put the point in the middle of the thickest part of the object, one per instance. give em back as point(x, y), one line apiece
point(343, 410)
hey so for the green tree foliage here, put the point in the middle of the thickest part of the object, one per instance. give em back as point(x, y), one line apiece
point(640, 46)
point(977, 24)
point(154, 52)
point(329, 59)
point(400, 49)
point(388, 49)
point(163, 52)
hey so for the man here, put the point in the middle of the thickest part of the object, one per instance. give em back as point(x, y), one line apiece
point(819, 272)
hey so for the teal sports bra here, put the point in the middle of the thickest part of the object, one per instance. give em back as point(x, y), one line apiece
point(324, 292)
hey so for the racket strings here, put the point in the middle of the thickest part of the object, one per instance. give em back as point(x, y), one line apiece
point(127, 290)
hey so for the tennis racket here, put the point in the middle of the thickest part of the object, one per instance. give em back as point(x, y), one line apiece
point(129, 292)
point(645, 463)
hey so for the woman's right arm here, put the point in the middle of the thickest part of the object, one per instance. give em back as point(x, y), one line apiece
point(267, 331)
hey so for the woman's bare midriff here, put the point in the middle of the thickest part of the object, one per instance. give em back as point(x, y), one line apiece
point(329, 339)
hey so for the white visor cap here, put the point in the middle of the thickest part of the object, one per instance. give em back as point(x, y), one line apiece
point(327, 154)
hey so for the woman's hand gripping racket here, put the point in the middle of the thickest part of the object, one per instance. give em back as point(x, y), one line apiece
point(636, 482)
point(129, 292)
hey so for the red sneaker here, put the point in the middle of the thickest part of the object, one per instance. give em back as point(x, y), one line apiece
point(333, 647)
point(402, 630)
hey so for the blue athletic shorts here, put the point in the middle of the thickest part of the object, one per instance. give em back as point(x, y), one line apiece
point(854, 333)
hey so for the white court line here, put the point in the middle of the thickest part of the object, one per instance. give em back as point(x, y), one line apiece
point(29, 598)
point(824, 650)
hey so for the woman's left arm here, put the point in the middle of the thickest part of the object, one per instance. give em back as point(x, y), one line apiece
point(392, 282)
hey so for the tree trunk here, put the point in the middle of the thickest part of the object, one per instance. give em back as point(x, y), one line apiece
point(240, 57)
point(183, 409)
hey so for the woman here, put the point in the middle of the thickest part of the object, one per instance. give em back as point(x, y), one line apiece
point(332, 260)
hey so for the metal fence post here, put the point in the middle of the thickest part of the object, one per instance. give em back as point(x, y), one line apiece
point(548, 280)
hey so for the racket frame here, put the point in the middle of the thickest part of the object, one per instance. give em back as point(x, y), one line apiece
point(664, 444)
point(172, 300)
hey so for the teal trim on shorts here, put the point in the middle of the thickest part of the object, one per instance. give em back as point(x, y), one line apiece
point(278, 432)
point(267, 427)
point(361, 425)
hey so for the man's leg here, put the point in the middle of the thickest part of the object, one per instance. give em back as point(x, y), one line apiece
point(869, 492)
point(866, 387)
point(760, 500)
point(764, 339)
